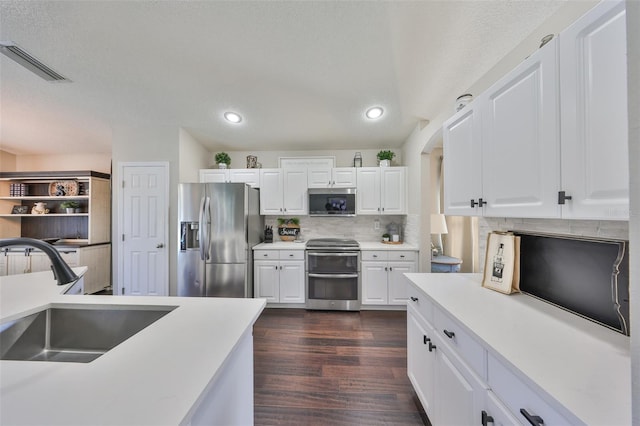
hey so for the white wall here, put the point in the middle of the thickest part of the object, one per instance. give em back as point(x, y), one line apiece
point(7, 162)
point(67, 162)
point(193, 157)
point(344, 158)
point(633, 76)
point(144, 144)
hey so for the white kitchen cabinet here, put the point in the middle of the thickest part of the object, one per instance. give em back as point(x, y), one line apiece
point(449, 391)
point(593, 88)
point(381, 190)
point(279, 275)
point(382, 272)
point(336, 177)
point(249, 176)
point(501, 152)
point(283, 191)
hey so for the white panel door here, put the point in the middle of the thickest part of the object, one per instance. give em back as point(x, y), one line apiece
point(271, 191)
point(368, 190)
point(393, 190)
point(143, 241)
point(520, 140)
point(295, 192)
point(421, 362)
point(455, 393)
point(593, 77)
point(462, 161)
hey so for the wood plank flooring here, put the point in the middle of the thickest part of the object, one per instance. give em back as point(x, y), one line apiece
point(333, 368)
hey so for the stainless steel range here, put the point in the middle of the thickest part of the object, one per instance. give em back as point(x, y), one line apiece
point(333, 274)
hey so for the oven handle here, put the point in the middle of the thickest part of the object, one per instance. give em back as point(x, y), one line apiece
point(333, 275)
point(350, 254)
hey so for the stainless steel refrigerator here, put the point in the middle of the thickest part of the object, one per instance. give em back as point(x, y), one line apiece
point(218, 224)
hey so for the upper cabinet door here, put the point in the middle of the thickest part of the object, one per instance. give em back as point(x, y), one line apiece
point(593, 77)
point(295, 200)
point(319, 177)
point(271, 191)
point(368, 190)
point(214, 175)
point(344, 177)
point(462, 156)
point(249, 176)
point(393, 199)
point(520, 139)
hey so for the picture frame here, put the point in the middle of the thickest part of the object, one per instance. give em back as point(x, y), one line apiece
point(20, 210)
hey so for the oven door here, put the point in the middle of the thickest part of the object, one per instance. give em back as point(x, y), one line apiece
point(321, 262)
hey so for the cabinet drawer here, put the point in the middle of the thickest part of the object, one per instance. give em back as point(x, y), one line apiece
point(420, 302)
point(517, 395)
point(374, 255)
point(466, 346)
point(402, 255)
point(291, 254)
point(266, 254)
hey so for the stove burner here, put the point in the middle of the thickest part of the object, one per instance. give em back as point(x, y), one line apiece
point(332, 243)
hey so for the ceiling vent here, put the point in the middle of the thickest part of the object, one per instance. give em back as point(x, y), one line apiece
point(13, 51)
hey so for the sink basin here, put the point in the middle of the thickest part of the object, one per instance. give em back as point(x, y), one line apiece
point(74, 332)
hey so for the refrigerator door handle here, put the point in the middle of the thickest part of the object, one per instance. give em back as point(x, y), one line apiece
point(207, 221)
point(201, 229)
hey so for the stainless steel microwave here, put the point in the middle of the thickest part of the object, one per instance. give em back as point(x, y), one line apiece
point(332, 202)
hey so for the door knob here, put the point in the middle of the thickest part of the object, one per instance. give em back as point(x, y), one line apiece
point(160, 245)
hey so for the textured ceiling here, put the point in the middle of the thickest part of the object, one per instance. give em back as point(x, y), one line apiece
point(300, 72)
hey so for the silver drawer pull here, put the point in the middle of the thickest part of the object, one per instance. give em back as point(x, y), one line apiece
point(330, 276)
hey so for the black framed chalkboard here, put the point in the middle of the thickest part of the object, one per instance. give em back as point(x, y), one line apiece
point(589, 277)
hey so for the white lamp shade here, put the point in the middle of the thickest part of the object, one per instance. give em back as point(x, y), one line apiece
point(438, 224)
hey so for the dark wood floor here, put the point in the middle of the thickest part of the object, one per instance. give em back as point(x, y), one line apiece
point(333, 368)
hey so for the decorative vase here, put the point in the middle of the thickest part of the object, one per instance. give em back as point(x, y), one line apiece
point(385, 163)
point(222, 166)
point(70, 210)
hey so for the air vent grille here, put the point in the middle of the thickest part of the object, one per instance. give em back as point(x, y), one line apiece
point(14, 52)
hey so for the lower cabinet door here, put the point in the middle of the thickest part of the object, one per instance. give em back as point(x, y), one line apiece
point(292, 282)
point(374, 283)
point(496, 413)
point(420, 362)
point(267, 276)
point(460, 393)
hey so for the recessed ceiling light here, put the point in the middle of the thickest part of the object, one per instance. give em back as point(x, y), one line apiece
point(374, 112)
point(232, 117)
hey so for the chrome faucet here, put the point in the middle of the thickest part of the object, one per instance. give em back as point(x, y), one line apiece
point(61, 271)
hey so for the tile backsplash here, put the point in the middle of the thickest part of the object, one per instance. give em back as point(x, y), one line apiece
point(361, 228)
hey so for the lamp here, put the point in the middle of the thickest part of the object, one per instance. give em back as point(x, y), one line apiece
point(438, 227)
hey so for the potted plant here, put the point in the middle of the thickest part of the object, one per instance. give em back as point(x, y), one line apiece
point(223, 160)
point(288, 228)
point(385, 238)
point(70, 206)
point(385, 157)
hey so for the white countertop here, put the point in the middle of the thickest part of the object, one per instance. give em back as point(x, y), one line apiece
point(364, 245)
point(582, 365)
point(154, 378)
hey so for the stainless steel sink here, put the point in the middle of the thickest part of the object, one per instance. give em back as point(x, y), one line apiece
point(74, 332)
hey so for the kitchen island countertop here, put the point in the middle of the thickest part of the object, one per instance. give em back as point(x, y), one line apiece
point(158, 376)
